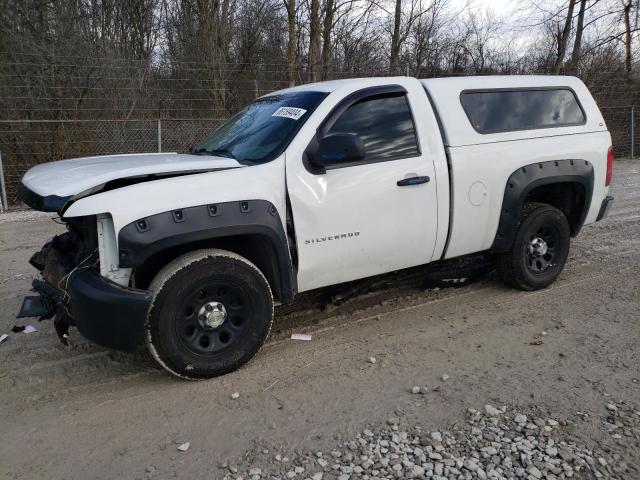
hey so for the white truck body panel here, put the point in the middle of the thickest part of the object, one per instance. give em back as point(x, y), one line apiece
point(488, 166)
point(481, 163)
point(394, 227)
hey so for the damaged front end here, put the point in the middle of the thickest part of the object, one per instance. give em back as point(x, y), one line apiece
point(55, 262)
point(73, 292)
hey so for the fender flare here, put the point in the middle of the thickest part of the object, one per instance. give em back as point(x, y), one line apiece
point(525, 179)
point(141, 239)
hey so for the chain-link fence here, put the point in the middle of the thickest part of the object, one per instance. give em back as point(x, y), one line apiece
point(25, 143)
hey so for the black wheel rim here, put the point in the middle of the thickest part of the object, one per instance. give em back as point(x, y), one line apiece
point(194, 331)
point(542, 250)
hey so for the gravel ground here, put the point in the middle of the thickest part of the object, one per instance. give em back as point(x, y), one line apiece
point(494, 443)
point(562, 354)
point(13, 216)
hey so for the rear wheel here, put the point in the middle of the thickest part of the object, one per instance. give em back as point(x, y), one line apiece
point(540, 249)
point(212, 311)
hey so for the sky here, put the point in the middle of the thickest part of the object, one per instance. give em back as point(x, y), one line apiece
point(499, 6)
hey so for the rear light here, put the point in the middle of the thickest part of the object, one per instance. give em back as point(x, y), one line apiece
point(610, 155)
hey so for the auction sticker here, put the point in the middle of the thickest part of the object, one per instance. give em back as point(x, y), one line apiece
point(289, 112)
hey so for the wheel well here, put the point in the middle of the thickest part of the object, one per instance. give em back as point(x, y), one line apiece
point(256, 248)
point(568, 197)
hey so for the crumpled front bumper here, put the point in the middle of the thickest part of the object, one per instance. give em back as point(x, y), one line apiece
point(107, 313)
point(104, 312)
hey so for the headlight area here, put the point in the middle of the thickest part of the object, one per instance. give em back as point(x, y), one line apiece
point(69, 252)
point(108, 252)
point(82, 286)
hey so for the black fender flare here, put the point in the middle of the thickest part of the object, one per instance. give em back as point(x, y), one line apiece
point(525, 179)
point(141, 239)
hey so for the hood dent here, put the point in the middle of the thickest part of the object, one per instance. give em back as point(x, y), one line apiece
point(53, 187)
point(128, 181)
point(68, 178)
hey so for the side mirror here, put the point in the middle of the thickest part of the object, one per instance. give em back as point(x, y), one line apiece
point(339, 148)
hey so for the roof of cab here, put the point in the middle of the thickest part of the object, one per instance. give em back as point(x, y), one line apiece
point(333, 85)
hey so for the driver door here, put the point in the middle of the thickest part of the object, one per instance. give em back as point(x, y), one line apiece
point(375, 215)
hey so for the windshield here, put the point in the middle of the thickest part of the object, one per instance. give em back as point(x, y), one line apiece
point(263, 129)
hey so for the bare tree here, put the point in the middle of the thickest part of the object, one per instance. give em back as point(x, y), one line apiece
point(563, 37)
point(395, 39)
point(290, 6)
point(327, 27)
point(577, 43)
point(314, 40)
point(627, 4)
point(67, 59)
point(403, 22)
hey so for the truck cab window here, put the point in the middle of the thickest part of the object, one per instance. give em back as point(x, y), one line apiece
point(385, 125)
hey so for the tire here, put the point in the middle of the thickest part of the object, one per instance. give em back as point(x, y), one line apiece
point(211, 312)
point(540, 249)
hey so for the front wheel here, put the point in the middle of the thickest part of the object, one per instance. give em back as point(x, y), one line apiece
point(212, 310)
point(540, 249)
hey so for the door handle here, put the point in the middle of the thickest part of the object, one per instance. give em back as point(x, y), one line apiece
point(412, 181)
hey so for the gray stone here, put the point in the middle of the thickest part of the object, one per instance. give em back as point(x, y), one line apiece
point(471, 465)
point(492, 411)
point(490, 451)
point(520, 418)
point(533, 471)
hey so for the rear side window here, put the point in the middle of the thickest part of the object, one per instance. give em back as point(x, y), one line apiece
point(385, 125)
point(492, 111)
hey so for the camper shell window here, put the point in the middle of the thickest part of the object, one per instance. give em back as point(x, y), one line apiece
point(506, 110)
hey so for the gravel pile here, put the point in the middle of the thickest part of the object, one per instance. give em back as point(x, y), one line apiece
point(492, 444)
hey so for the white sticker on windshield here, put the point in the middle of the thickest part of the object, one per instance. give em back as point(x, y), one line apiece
point(289, 112)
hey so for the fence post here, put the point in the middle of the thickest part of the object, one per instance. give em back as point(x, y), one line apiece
point(633, 130)
point(4, 204)
point(159, 136)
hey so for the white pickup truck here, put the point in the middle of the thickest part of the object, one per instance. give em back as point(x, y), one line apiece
point(313, 186)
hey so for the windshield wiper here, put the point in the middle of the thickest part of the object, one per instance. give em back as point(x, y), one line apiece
point(223, 152)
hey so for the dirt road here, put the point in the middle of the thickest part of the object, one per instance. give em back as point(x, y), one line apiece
point(83, 412)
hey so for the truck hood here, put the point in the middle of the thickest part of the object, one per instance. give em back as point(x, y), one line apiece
point(47, 186)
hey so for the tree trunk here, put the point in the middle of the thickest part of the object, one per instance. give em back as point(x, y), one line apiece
point(314, 40)
point(627, 38)
point(563, 38)
point(326, 36)
point(395, 40)
point(291, 49)
point(577, 44)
